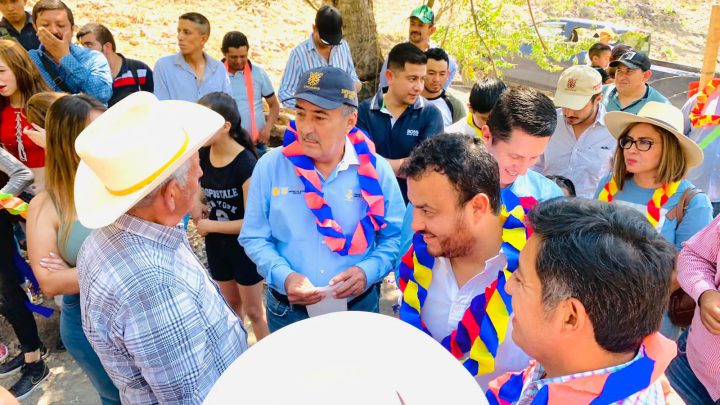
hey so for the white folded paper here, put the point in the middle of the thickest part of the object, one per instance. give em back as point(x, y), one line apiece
point(329, 303)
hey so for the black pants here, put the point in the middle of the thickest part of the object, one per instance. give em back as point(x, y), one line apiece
point(12, 297)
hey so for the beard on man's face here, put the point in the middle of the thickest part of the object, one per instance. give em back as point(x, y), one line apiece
point(459, 243)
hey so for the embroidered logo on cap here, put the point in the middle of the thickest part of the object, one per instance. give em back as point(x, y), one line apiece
point(571, 84)
point(348, 94)
point(313, 80)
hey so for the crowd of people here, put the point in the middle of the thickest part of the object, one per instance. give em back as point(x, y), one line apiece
point(533, 238)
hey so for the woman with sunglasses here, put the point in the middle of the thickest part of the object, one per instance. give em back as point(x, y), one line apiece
point(649, 168)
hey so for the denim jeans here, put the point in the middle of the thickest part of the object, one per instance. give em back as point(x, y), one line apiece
point(669, 329)
point(280, 315)
point(683, 379)
point(79, 348)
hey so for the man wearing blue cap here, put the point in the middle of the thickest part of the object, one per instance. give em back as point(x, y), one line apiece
point(324, 210)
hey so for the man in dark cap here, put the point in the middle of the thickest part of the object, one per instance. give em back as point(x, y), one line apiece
point(630, 92)
point(323, 214)
point(325, 47)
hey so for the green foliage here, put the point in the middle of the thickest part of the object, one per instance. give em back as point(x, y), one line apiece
point(487, 40)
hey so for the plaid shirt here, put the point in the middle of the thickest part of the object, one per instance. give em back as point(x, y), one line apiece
point(651, 395)
point(157, 322)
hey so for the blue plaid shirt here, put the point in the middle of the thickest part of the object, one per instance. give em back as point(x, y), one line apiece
point(82, 70)
point(155, 319)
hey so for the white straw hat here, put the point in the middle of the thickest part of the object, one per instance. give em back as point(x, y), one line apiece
point(662, 115)
point(132, 148)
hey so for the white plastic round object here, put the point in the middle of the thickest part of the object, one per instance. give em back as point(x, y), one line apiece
point(347, 358)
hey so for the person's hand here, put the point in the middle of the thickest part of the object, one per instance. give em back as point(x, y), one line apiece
point(56, 48)
point(300, 290)
point(709, 303)
point(355, 282)
point(264, 134)
point(54, 263)
point(204, 227)
point(36, 133)
point(198, 211)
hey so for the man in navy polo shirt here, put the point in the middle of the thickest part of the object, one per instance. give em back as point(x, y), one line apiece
point(397, 118)
point(17, 23)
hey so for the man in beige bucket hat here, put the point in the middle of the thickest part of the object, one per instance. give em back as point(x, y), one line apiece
point(157, 322)
point(581, 146)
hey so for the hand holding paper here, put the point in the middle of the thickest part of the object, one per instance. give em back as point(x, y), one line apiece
point(300, 290)
point(329, 303)
point(355, 282)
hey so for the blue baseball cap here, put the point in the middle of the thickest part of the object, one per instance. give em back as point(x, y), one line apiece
point(327, 87)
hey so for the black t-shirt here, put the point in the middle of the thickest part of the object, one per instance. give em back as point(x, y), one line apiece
point(223, 185)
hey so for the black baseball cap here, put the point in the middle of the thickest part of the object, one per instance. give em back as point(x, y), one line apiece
point(633, 60)
point(328, 22)
point(327, 87)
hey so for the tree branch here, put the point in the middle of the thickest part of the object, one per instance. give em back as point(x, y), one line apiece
point(537, 31)
point(311, 4)
point(482, 40)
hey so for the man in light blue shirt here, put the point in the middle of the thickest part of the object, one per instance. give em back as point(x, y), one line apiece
point(65, 66)
point(191, 73)
point(282, 235)
point(517, 132)
point(325, 47)
point(235, 49)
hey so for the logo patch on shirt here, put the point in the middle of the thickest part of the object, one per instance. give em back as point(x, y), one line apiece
point(413, 132)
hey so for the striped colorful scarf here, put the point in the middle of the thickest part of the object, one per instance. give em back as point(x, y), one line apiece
point(484, 324)
point(13, 204)
point(698, 115)
point(335, 239)
point(660, 196)
point(605, 388)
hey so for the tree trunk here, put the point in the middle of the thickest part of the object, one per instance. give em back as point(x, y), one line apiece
point(360, 31)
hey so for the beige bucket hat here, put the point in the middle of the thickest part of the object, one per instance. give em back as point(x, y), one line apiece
point(662, 115)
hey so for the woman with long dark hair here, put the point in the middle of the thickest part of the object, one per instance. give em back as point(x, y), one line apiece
point(227, 163)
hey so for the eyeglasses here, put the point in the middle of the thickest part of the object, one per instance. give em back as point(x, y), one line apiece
point(643, 145)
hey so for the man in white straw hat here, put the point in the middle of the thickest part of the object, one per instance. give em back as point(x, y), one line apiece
point(157, 322)
point(581, 146)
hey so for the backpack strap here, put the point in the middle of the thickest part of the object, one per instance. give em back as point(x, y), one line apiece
point(678, 211)
point(50, 68)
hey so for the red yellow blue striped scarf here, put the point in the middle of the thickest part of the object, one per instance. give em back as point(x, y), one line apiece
point(698, 116)
point(660, 196)
point(484, 324)
point(606, 388)
point(373, 221)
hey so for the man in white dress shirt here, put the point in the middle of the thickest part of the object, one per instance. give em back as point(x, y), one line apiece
point(581, 147)
point(454, 188)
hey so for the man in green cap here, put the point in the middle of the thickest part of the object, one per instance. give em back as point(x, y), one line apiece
point(422, 26)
